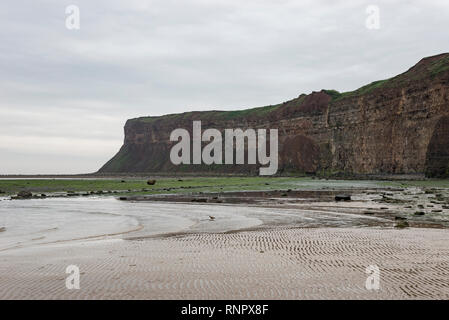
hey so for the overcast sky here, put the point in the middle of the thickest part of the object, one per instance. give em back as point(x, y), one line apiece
point(66, 94)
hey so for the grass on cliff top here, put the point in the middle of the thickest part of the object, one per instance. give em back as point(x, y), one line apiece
point(220, 115)
point(204, 184)
point(439, 66)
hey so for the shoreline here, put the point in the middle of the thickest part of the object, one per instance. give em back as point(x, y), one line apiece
point(262, 244)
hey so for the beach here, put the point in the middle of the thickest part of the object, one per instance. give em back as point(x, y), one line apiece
point(299, 250)
point(278, 263)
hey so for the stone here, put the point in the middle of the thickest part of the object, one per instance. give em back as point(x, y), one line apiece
point(24, 194)
point(342, 197)
point(151, 182)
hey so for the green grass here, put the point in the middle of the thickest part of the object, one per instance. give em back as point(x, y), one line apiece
point(223, 115)
point(9, 187)
point(431, 183)
point(439, 66)
point(200, 184)
point(361, 91)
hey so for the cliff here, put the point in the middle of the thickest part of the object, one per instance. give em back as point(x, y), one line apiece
point(395, 126)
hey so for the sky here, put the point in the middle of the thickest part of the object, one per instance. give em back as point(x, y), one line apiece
point(65, 93)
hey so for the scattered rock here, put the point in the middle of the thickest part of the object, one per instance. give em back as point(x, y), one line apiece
point(342, 197)
point(402, 225)
point(437, 211)
point(123, 198)
point(399, 218)
point(24, 195)
point(368, 212)
point(212, 218)
point(180, 180)
point(122, 181)
point(151, 182)
point(445, 207)
point(2, 229)
point(419, 213)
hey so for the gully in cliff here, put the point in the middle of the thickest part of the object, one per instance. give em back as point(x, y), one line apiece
point(212, 153)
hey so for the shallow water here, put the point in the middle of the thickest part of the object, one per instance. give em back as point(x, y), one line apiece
point(41, 221)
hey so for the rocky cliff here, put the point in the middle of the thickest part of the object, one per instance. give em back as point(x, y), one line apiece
point(395, 126)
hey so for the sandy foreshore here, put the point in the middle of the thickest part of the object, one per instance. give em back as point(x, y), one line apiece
point(271, 263)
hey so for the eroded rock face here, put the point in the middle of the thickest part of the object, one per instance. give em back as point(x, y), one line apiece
point(396, 126)
point(437, 160)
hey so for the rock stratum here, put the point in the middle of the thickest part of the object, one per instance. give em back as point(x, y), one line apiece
point(394, 126)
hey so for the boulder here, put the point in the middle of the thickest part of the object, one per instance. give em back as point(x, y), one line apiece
point(342, 197)
point(24, 194)
point(151, 182)
point(402, 224)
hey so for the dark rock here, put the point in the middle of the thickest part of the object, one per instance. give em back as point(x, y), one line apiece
point(123, 198)
point(151, 182)
point(342, 197)
point(24, 195)
point(399, 218)
point(419, 213)
point(402, 225)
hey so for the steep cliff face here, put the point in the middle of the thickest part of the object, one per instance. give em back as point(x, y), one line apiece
point(395, 126)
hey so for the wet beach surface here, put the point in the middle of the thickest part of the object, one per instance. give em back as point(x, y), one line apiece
point(274, 244)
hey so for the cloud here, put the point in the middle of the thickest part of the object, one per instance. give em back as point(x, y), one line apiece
point(132, 58)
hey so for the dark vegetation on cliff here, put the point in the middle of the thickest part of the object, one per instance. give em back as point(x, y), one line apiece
point(394, 126)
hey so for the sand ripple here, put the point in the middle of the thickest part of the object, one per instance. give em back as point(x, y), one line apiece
point(279, 263)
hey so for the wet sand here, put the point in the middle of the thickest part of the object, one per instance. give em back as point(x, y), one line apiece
point(299, 246)
point(273, 263)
